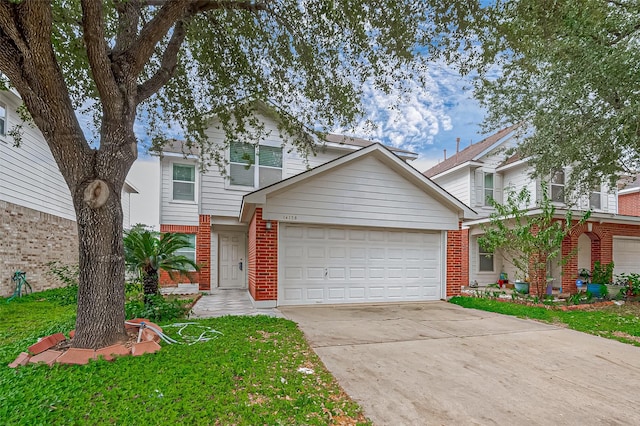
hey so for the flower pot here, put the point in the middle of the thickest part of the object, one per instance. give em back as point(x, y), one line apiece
point(594, 289)
point(522, 287)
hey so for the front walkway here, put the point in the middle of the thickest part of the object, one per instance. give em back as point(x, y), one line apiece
point(228, 302)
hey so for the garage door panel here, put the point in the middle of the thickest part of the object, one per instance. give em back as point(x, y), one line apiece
point(346, 265)
point(626, 255)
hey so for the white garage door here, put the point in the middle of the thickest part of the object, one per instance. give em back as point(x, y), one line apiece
point(626, 255)
point(353, 265)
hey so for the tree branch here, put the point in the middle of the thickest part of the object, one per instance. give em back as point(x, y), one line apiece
point(167, 65)
point(94, 39)
point(129, 18)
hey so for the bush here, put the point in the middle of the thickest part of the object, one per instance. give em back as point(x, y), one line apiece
point(155, 308)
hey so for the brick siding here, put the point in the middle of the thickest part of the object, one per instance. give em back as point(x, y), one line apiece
point(457, 260)
point(29, 239)
point(601, 236)
point(629, 204)
point(165, 279)
point(263, 258)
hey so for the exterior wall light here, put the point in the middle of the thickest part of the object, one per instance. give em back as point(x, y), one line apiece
point(267, 225)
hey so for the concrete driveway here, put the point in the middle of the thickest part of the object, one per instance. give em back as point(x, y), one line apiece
point(437, 363)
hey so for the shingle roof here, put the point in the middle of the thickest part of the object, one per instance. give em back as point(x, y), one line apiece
point(515, 157)
point(350, 140)
point(180, 147)
point(469, 153)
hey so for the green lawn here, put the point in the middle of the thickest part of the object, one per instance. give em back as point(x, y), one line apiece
point(246, 376)
point(614, 322)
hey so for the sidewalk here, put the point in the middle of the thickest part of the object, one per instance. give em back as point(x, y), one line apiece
point(228, 302)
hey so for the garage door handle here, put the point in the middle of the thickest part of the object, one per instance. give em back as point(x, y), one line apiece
point(325, 272)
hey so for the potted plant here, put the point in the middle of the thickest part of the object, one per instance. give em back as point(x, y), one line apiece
point(601, 276)
point(522, 282)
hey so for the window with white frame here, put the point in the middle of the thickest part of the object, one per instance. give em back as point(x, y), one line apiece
point(595, 198)
point(254, 166)
point(485, 259)
point(3, 120)
point(488, 185)
point(189, 252)
point(557, 186)
point(184, 182)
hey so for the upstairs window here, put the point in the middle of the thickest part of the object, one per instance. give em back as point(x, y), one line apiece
point(557, 186)
point(244, 171)
point(184, 182)
point(485, 259)
point(595, 198)
point(3, 120)
point(488, 188)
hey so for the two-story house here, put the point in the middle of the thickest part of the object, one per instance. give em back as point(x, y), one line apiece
point(485, 169)
point(37, 219)
point(353, 223)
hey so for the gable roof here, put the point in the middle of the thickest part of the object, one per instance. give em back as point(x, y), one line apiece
point(382, 153)
point(471, 153)
point(175, 146)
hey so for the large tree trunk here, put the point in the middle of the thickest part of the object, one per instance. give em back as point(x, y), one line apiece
point(101, 316)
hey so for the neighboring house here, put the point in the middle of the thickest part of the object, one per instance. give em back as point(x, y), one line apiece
point(485, 169)
point(629, 198)
point(355, 224)
point(37, 219)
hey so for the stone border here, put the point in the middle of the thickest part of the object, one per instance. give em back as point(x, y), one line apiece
point(46, 349)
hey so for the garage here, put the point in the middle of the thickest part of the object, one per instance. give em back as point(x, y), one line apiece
point(626, 255)
point(364, 228)
point(356, 265)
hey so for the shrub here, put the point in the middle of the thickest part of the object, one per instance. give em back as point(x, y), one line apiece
point(156, 308)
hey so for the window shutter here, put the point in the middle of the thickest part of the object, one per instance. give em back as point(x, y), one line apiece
point(479, 188)
point(497, 187)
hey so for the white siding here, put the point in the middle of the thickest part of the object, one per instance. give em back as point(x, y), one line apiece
point(176, 212)
point(218, 199)
point(364, 193)
point(29, 175)
point(126, 209)
point(457, 184)
point(517, 178)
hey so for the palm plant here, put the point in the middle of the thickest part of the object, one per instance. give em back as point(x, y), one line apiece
point(148, 252)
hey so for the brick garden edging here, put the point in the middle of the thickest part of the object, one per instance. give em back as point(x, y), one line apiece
point(47, 350)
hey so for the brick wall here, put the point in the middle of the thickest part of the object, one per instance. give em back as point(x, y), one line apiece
point(455, 260)
point(263, 258)
point(203, 252)
point(629, 204)
point(165, 279)
point(601, 236)
point(29, 239)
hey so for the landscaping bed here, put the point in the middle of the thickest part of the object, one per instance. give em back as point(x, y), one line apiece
point(259, 370)
point(614, 321)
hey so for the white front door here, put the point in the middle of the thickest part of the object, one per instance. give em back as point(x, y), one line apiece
point(232, 259)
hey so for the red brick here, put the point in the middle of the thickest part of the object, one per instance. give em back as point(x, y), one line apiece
point(109, 352)
point(76, 356)
point(49, 357)
point(45, 343)
point(22, 359)
point(144, 348)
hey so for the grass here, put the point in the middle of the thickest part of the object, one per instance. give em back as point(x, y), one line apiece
point(620, 323)
point(246, 376)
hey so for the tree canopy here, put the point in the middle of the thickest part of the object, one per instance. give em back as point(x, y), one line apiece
point(568, 70)
point(174, 63)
